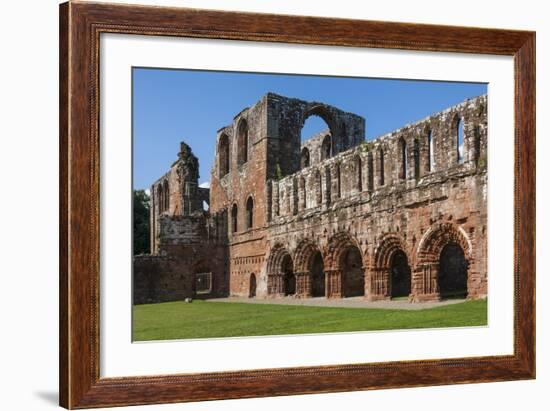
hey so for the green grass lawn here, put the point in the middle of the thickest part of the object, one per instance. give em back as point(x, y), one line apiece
point(203, 319)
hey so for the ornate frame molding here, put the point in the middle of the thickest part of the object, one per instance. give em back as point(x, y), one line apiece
point(80, 27)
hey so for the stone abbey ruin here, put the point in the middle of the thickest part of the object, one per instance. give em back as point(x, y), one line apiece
point(403, 215)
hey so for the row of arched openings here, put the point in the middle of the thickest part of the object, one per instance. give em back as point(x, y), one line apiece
point(326, 152)
point(452, 272)
point(224, 149)
point(249, 217)
point(403, 150)
point(430, 160)
point(163, 196)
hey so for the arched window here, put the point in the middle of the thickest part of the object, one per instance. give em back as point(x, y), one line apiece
point(234, 218)
point(358, 173)
point(166, 196)
point(223, 155)
point(431, 164)
point(160, 198)
point(370, 170)
point(317, 121)
point(326, 147)
point(403, 158)
point(249, 213)
point(328, 184)
point(338, 181)
point(303, 193)
point(381, 179)
point(416, 155)
point(242, 142)
point(318, 188)
point(460, 140)
point(304, 160)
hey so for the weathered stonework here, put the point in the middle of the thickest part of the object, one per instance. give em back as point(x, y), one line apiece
point(403, 215)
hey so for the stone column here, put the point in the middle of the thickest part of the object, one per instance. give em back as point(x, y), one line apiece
point(295, 201)
point(275, 199)
point(302, 196)
point(275, 285)
point(303, 285)
point(333, 283)
point(335, 178)
point(269, 200)
point(425, 286)
point(378, 283)
point(327, 184)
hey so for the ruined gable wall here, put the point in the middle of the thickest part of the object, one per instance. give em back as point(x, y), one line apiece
point(275, 124)
point(286, 120)
point(243, 181)
point(186, 240)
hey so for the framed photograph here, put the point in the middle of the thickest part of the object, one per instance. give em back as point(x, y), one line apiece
point(259, 205)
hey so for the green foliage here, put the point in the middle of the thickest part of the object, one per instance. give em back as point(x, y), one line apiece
point(278, 172)
point(207, 319)
point(141, 222)
point(366, 146)
point(482, 162)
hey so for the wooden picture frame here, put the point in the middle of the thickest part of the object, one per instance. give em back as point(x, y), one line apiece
point(80, 27)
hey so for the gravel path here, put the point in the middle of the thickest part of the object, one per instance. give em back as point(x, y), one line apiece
point(350, 302)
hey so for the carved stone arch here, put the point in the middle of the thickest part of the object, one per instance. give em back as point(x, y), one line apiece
point(431, 278)
point(391, 272)
point(430, 246)
point(275, 259)
point(303, 255)
point(323, 112)
point(345, 266)
point(309, 270)
point(337, 129)
point(280, 272)
point(336, 246)
point(387, 245)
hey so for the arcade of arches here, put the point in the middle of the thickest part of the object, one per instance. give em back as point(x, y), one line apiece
point(437, 269)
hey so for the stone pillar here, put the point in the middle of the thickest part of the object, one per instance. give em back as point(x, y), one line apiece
point(275, 285)
point(294, 203)
point(269, 200)
point(425, 286)
point(303, 285)
point(333, 283)
point(302, 196)
point(335, 182)
point(327, 187)
point(379, 284)
point(275, 197)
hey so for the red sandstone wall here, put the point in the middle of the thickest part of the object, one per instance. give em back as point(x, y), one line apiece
point(423, 202)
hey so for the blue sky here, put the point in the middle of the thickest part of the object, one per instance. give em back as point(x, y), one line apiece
point(170, 106)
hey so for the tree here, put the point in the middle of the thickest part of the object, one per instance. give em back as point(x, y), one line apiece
point(141, 222)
